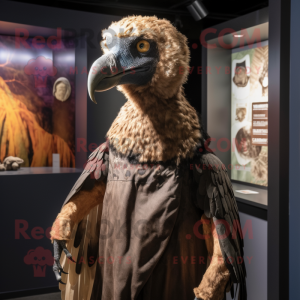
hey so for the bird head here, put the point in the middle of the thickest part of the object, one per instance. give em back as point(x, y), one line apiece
point(141, 54)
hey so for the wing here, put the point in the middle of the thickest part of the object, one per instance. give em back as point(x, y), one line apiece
point(96, 168)
point(215, 197)
point(84, 241)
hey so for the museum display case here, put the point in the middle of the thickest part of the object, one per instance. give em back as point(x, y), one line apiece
point(235, 102)
point(38, 81)
point(246, 111)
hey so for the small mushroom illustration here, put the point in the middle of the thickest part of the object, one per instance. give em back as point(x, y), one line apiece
point(40, 68)
point(39, 258)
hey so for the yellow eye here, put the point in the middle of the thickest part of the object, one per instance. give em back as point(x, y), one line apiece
point(143, 46)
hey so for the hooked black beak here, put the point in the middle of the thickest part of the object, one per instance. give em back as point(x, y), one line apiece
point(105, 73)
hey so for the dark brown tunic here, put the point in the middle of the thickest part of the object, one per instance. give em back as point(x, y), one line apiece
point(150, 246)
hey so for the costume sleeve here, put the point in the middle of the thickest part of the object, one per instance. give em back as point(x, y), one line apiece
point(87, 193)
point(75, 210)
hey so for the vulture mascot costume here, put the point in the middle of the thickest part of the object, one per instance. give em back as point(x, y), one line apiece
point(153, 215)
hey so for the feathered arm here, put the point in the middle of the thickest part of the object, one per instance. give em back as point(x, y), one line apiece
point(217, 275)
point(87, 192)
point(81, 204)
point(75, 210)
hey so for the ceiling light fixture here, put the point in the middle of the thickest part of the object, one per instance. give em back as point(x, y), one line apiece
point(197, 10)
point(238, 35)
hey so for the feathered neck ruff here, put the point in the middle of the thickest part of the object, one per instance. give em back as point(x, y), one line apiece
point(155, 129)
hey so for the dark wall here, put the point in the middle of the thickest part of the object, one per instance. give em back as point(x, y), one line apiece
point(192, 87)
point(294, 210)
point(256, 256)
point(29, 205)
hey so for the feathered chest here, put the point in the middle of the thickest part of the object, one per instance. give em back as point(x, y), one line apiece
point(156, 134)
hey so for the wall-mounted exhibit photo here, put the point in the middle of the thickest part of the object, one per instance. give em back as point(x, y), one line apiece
point(249, 114)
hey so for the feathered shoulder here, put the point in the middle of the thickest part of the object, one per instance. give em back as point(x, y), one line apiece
point(96, 168)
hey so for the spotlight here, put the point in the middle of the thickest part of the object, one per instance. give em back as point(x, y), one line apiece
point(197, 10)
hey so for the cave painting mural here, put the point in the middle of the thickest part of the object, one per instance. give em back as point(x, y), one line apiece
point(40, 68)
point(39, 258)
point(33, 123)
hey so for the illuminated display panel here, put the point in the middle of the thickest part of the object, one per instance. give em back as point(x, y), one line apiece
point(249, 114)
point(33, 123)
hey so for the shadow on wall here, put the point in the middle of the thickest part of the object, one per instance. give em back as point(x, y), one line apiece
point(255, 257)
